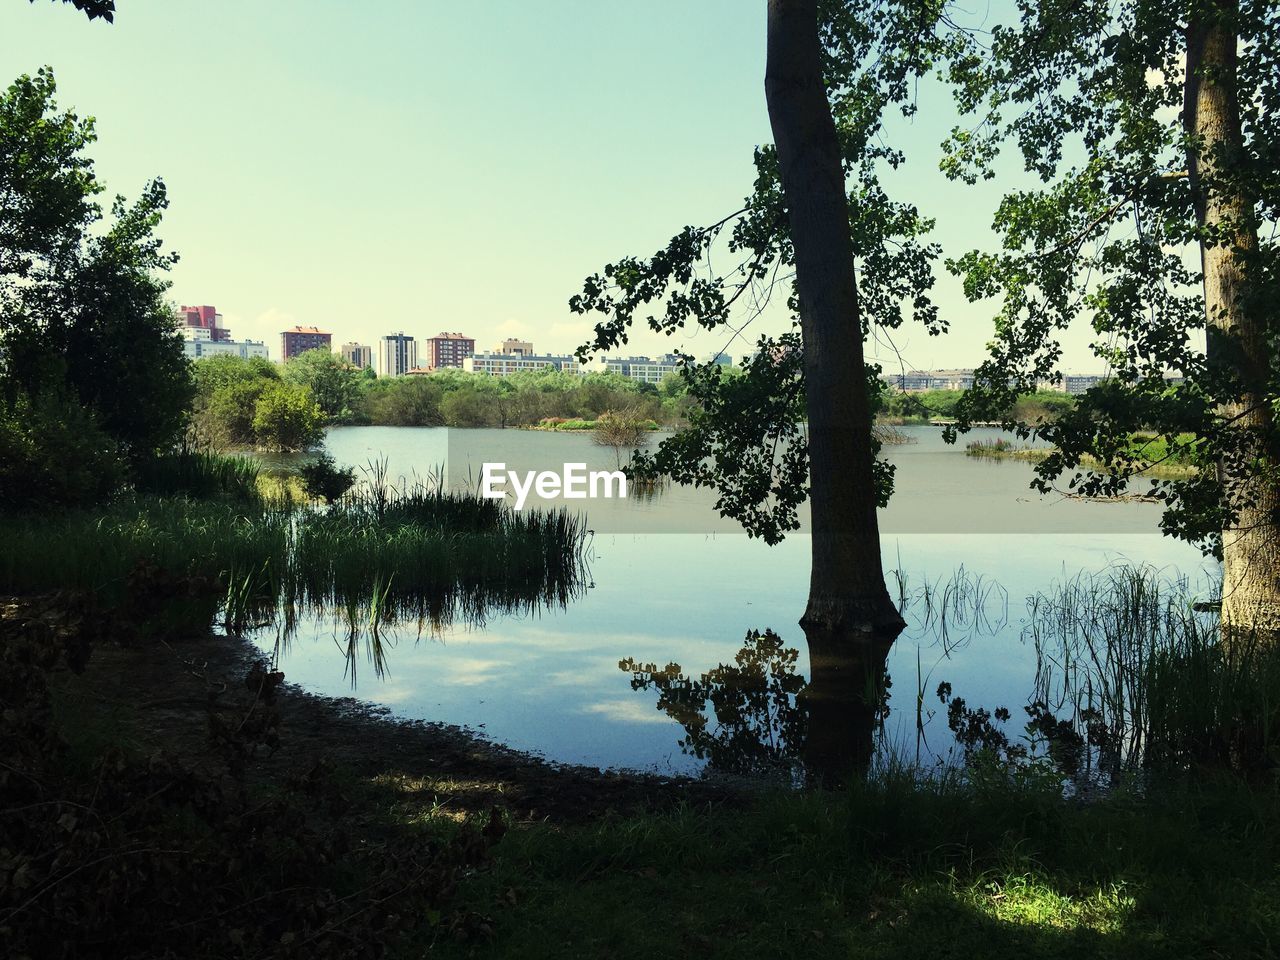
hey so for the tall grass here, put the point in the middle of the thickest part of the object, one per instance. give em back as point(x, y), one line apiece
point(1144, 672)
point(96, 551)
point(199, 474)
point(381, 558)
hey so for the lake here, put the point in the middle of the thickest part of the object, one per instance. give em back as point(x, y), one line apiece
point(671, 582)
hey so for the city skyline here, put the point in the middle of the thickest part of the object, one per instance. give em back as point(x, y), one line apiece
point(267, 211)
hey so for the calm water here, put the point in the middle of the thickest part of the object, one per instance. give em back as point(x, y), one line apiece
point(672, 583)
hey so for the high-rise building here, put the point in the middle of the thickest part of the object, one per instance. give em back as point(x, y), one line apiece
point(505, 364)
point(203, 318)
point(299, 339)
point(514, 348)
point(448, 350)
point(359, 355)
point(397, 354)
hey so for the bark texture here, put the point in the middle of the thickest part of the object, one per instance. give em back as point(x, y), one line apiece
point(1236, 322)
point(850, 621)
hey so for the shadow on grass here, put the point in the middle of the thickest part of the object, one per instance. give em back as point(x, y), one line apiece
point(897, 868)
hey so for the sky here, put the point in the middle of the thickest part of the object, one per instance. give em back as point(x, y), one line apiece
point(424, 166)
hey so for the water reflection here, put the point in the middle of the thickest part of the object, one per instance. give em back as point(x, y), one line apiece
point(759, 717)
point(385, 561)
point(759, 727)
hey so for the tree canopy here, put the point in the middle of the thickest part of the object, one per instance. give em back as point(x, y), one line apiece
point(83, 318)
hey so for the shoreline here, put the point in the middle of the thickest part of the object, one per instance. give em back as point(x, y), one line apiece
point(155, 698)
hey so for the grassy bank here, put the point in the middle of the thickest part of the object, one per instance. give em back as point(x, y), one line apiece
point(378, 557)
point(579, 425)
point(903, 868)
point(1151, 456)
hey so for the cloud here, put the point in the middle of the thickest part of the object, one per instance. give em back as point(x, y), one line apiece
point(515, 328)
point(628, 711)
point(470, 672)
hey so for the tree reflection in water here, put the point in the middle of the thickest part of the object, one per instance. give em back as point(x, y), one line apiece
point(758, 717)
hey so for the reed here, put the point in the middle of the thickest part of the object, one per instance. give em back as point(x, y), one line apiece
point(376, 561)
point(1144, 673)
point(198, 474)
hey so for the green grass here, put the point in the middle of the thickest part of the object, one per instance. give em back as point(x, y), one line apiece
point(577, 425)
point(377, 559)
point(901, 868)
point(199, 474)
point(1153, 457)
point(1129, 648)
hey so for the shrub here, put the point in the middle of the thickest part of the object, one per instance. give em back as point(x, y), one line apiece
point(325, 480)
point(286, 417)
point(53, 452)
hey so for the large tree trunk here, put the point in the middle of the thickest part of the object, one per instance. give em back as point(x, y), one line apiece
point(850, 621)
point(1236, 327)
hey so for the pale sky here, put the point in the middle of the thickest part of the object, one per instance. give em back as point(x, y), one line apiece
point(427, 165)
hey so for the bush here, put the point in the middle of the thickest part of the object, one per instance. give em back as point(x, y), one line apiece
point(54, 453)
point(325, 480)
point(286, 417)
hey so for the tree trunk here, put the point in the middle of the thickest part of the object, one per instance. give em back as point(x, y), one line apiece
point(850, 621)
point(1236, 329)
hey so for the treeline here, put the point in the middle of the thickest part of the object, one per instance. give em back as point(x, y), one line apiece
point(900, 407)
point(254, 403)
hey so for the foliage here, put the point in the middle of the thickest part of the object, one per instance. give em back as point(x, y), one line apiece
point(325, 480)
point(285, 417)
point(106, 9)
point(1099, 102)
point(1032, 409)
point(747, 441)
point(82, 313)
point(199, 473)
point(54, 453)
point(621, 430)
point(379, 559)
point(227, 393)
point(1126, 652)
point(333, 382)
point(401, 402)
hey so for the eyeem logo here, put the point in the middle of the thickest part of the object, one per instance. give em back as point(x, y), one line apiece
point(571, 483)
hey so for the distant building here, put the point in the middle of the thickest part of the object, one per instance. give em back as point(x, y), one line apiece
point(203, 318)
point(643, 369)
point(915, 381)
point(513, 347)
point(505, 364)
point(300, 339)
point(449, 350)
point(197, 344)
point(397, 354)
point(357, 354)
point(1077, 384)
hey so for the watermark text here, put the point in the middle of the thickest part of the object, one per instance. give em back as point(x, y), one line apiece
point(573, 482)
